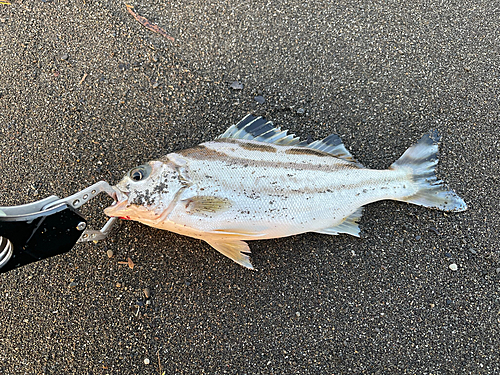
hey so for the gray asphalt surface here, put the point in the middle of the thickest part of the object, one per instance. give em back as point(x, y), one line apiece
point(86, 93)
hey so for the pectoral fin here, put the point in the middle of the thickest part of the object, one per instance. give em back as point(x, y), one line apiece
point(206, 204)
point(236, 250)
point(349, 225)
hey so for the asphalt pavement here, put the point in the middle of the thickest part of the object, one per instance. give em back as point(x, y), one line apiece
point(87, 92)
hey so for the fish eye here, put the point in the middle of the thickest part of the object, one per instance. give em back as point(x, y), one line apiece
point(139, 173)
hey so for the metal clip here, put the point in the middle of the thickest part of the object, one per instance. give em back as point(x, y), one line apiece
point(78, 199)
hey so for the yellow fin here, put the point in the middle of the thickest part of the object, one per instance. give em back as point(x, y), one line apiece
point(235, 250)
point(206, 204)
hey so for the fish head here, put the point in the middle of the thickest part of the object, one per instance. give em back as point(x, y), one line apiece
point(146, 192)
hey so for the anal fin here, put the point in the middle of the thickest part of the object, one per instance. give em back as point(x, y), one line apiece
point(233, 249)
point(349, 225)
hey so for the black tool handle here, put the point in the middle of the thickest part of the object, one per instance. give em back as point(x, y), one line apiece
point(39, 235)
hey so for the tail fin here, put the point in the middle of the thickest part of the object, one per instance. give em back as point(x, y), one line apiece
point(433, 193)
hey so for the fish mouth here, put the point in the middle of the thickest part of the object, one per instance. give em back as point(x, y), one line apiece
point(118, 195)
point(120, 201)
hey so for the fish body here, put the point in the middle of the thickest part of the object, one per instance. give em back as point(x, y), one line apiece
point(257, 182)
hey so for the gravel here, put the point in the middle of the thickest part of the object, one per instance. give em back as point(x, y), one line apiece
point(379, 74)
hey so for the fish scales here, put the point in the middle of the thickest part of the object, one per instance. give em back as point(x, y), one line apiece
point(256, 182)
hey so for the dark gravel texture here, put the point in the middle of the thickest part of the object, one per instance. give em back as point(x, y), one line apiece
point(379, 74)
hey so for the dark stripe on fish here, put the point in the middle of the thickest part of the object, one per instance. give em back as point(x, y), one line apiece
point(258, 147)
point(203, 152)
point(306, 151)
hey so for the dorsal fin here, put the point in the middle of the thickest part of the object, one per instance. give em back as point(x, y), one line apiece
point(259, 129)
point(332, 145)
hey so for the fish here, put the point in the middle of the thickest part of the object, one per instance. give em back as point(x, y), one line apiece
point(258, 182)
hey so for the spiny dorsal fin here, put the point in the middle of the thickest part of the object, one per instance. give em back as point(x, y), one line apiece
point(258, 129)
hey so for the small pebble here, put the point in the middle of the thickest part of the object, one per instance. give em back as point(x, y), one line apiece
point(377, 330)
point(110, 253)
point(148, 302)
point(298, 314)
point(118, 285)
point(260, 99)
point(497, 270)
point(146, 361)
point(147, 293)
point(453, 267)
point(156, 84)
point(72, 285)
point(418, 237)
point(64, 56)
point(300, 111)
point(236, 85)
point(434, 230)
point(447, 255)
point(473, 251)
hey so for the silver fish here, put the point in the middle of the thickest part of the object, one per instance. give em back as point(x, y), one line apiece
point(255, 182)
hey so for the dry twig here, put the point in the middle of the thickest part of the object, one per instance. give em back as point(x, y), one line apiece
point(147, 24)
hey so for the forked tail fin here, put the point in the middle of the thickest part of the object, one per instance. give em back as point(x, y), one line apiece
point(422, 158)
